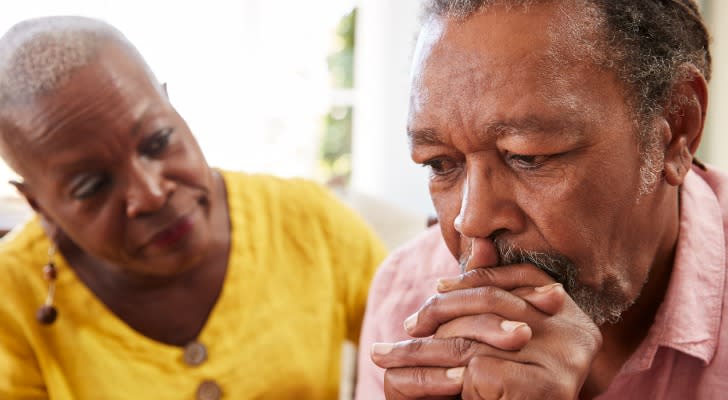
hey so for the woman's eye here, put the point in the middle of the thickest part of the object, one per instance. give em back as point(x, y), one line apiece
point(88, 186)
point(157, 142)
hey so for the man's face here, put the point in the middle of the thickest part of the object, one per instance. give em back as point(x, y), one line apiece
point(533, 149)
point(112, 164)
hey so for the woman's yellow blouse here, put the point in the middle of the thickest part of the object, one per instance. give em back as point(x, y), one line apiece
point(296, 287)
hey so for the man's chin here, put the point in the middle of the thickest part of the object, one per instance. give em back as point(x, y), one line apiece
point(602, 306)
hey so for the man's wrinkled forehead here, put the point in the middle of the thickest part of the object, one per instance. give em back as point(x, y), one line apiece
point(453, 53)
point(492, 47)
point(430, 34)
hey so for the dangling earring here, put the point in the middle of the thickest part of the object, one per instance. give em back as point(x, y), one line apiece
point(47, 313)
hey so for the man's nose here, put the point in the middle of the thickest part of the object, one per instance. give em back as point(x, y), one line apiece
point(147, 189)
point(488, 206)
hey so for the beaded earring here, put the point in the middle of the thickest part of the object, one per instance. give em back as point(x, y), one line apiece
point(48, 313)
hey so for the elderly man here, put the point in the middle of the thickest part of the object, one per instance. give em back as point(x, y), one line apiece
point(560, 138)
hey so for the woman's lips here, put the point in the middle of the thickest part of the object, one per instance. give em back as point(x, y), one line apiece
point(174, 233)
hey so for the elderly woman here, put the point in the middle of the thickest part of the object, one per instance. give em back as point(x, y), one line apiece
point(147, 274)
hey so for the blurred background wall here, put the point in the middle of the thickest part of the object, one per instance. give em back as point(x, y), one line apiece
point(715, 145)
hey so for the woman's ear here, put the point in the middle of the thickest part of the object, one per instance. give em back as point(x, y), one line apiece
point(685, 116)
point(22, 188)
point(49, 226)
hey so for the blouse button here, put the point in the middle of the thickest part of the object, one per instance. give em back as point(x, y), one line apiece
point(209, 390)
point(195, 354)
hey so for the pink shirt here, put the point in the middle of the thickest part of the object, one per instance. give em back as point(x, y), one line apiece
point(685, 354)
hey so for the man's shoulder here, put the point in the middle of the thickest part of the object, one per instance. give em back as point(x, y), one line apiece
point(717, 180)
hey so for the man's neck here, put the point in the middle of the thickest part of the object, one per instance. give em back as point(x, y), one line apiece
point(622, 339)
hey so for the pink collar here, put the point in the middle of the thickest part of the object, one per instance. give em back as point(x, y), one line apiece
point(689, 318)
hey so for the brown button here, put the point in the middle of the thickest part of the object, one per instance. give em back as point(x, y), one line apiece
point(195, 354)
point(209, 390)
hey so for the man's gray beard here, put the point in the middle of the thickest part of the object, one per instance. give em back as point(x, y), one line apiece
point(605, 305)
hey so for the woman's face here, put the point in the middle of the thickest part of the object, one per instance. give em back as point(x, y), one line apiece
point(112, 165)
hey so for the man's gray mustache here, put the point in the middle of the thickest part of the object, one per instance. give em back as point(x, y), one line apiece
point(555, 264)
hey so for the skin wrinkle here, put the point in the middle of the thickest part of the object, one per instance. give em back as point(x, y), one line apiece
point(608, 285)
point(604, 305)
point(117, 178)
point(513, 212)
point(39, 56)
point(647, 77)
point(417, 64)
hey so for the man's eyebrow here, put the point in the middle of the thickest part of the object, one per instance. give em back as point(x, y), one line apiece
point(424, 137)
point(527, 126)
point(531, 125)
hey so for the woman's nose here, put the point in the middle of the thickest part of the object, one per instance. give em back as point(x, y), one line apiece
point(148, 190)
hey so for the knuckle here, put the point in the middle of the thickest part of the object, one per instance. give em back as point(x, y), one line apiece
point(542, 385)
point(597, 339)
point(433, 302)
point(419, 376)
point(461, 348)
point(415, 345)
point(578, 359)
point(497, 298)
point(591, 337)
point(481, 275)
point(488, 292)
point(475, 365)
point(431, 307)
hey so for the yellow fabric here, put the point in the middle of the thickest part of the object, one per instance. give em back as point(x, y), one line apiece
point(296, 285)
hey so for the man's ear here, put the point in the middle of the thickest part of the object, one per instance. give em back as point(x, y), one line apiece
point(685, 116)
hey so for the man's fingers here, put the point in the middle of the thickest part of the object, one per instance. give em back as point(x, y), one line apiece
point(422, 383)
point(548, 299)
point(445, 307)
point(449, 352)
point(506, 277)
point(490, 329)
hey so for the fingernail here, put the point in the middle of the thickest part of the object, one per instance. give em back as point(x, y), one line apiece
point(382, 348)
point(510, 326)
point(455, 374)
point(410, 322)
point(542, 289)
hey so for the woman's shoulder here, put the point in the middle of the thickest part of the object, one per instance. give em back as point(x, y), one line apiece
point(270, 184)
point(23, 252)
point(22, 245)
point(269, 193)
point(293, 205)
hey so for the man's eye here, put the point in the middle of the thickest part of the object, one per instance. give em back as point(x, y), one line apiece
point(527, 162)
point(157, 142)
point(88, 186)
point(440, 166)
